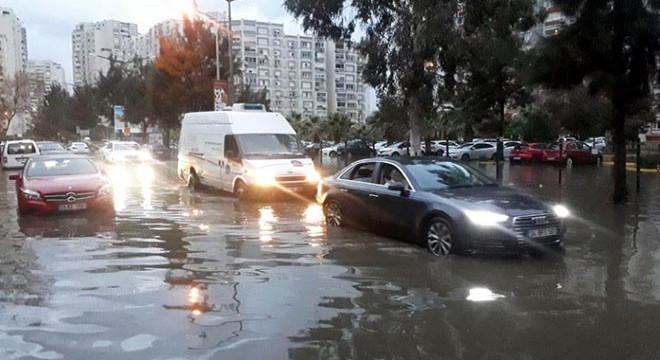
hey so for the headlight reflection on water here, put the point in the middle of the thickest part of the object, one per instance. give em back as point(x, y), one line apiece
point(124, 177)
point(266, 220)
point(313, 217)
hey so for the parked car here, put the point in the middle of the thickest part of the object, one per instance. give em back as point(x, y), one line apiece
point(159, 151)
point(527, 152)
point(353, 148)
point(573, 152)
point(124, 151)
point(16, 153)
point(508, 147)
point(598, 143)
point(477, 151)
point(438, 147)
point(51, 147)
point(379, 145)
point(79, 148)
point(61, 183)
point(396, 149)
point(446, 206)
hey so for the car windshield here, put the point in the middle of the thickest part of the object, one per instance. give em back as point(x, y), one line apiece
point(269, 145)
point(80, 145)
point(441, 175)
point(50, 147)
point(60, 167)
point(126, 147)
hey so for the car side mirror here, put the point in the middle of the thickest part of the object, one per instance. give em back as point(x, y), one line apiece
point(14, 177)
point(400, 187)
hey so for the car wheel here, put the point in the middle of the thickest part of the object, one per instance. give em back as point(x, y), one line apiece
point(193, 181)
point(241, 190)
point(494, 157)
point(569, 162)
point(438, 238)
point(332, 154)
point(334, 214)
point(395, 154)
point(439, 153)
point(465, 157)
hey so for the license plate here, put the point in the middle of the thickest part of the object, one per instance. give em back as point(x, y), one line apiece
point(516, 158)
point(543, 232)
point(551, 158)
point(21, 160)
point(72, 207)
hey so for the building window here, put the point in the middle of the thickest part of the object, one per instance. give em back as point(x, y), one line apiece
point(262, 41)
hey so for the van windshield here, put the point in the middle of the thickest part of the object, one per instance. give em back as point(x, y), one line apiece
point(269, 145)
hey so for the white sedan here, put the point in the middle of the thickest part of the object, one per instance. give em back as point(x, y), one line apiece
point(124, 151)
point(396, 149)
point(78, 148)
point(474, 151)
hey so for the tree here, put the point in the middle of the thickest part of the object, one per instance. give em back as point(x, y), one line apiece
point(14, 98)
point(390, 121)
point(612, 47)
point(494, 59)
point(401, 36)
point(53, 114)
point(338, 127)
point(245, 94)
point(84, 108)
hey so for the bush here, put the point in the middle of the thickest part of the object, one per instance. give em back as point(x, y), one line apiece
point(649, 161)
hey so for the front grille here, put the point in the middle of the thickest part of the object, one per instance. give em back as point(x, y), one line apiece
point(64, 197)
point(522, 224)
point(294, 178)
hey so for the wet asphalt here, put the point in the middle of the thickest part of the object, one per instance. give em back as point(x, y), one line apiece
point(181, 275)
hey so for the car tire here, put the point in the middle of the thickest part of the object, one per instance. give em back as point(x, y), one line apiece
point(465, 157)
point(570, 162)
point(394, 154)
point(332, 154)
point(193, 181)
point(439, 153)
point(241, 190)
point(333, 214)
point(438, 238)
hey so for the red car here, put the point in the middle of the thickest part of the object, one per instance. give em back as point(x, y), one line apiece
point(62, 183)
point(574, 152)
point(527, 152)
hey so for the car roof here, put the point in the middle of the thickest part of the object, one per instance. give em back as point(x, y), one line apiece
point(48, 142)
point(60, 156)
point(407, 160)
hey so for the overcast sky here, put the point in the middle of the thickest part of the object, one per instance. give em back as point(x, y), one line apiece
point(49, 23)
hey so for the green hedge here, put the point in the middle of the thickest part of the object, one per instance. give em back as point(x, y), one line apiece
point(649, 161)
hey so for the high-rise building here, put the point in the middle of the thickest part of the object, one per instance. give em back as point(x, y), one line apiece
point(95, 43)
point(43, 75)
point(305, 74)
point(147, 46)
point(554, 22)
point(13, 44)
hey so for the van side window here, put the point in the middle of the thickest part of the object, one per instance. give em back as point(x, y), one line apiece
point(231, 146)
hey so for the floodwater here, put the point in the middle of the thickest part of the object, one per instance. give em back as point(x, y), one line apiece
point(177, 275)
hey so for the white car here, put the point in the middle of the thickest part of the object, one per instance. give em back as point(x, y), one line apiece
point(16, 153)
point(438, 147)
point(379, 145)
point(330, 151)
point(124, 152)
point(474, 151)
point(396, 149)
point(598, 144)
point(78, 148)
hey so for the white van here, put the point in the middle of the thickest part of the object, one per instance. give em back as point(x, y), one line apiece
point(247, 152)
point(16, 153)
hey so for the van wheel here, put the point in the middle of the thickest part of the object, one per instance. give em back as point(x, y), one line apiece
point(193, 181)
point(241, 190)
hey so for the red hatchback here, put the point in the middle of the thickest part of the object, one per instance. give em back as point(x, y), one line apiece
point(62, 183)
point(527, 152)
point(574, 152)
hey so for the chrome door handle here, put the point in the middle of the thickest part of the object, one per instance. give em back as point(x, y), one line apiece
point(373, 195)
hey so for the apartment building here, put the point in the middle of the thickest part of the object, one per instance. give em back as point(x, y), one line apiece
point(95, 43)
point(147, 46)
point(305, 74)
point(43, 75)
point(554, 22)
point(13, 44)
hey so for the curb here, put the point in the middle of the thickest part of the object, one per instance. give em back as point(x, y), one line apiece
point(632, 167)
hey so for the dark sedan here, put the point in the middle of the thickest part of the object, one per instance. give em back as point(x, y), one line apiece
point(446, 206)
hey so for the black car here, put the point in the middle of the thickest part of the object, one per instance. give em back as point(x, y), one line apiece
point(51, 147)
point(160, 152)
point(354, 148)
point(446, 206)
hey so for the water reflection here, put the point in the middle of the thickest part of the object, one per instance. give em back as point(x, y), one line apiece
point(266, 220)
point(68, 225)
point(124, 177)
point(482, 294)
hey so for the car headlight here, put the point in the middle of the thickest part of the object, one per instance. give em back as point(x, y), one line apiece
point(265, 179)
point(313, 176)
point(561, 211)
point(485, 218)
point(117, 156)
point(31, 195)
point(145, 156)
point(104, 190)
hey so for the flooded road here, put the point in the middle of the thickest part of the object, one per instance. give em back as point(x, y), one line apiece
point(176, 275)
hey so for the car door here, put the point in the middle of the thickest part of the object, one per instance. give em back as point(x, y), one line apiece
point(482, 151)
point(228, 163)
point(355, 186)
point(392, 212)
